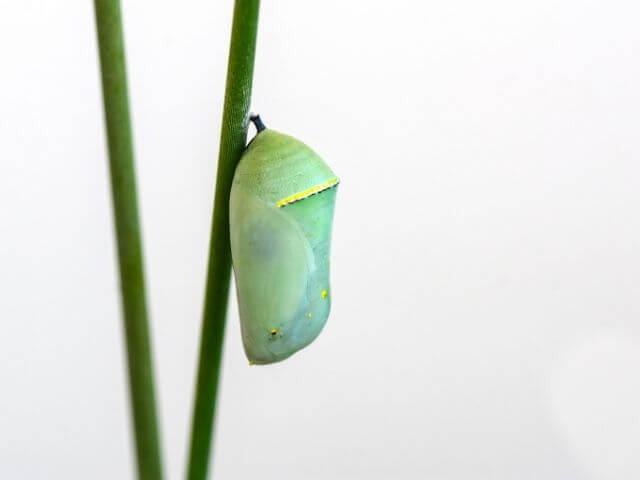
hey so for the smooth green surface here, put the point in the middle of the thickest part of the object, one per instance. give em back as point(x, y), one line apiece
point(276, 165)
point(125, 206)
point(280, 254)
point(232, 142)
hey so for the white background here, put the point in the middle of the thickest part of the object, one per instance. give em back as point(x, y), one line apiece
point(486, 254)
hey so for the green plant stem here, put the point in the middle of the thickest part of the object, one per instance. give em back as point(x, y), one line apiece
point(232, 142)
point(125, 206)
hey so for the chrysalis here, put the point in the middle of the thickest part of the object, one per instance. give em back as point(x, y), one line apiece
point(281, 212)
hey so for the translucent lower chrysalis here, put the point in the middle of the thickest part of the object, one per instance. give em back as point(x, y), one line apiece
point(281, 213)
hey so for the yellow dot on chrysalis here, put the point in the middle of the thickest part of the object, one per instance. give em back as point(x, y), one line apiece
point(324, 294)
point(274, 332)
point(309, 314)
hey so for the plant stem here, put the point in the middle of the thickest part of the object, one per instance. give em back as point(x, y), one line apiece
point(232, 142)
point(125, 206)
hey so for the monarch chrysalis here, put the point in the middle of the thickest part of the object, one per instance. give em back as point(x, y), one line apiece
point(281, 213)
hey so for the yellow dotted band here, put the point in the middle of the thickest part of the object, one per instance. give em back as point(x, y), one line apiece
point(307, 193)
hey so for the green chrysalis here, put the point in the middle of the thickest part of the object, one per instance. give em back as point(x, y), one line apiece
point(281, 213)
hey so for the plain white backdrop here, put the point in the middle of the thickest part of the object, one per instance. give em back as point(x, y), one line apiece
point(486, 252)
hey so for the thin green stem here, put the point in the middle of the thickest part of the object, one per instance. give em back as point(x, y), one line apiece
point(125, 206)
point(232, 142)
